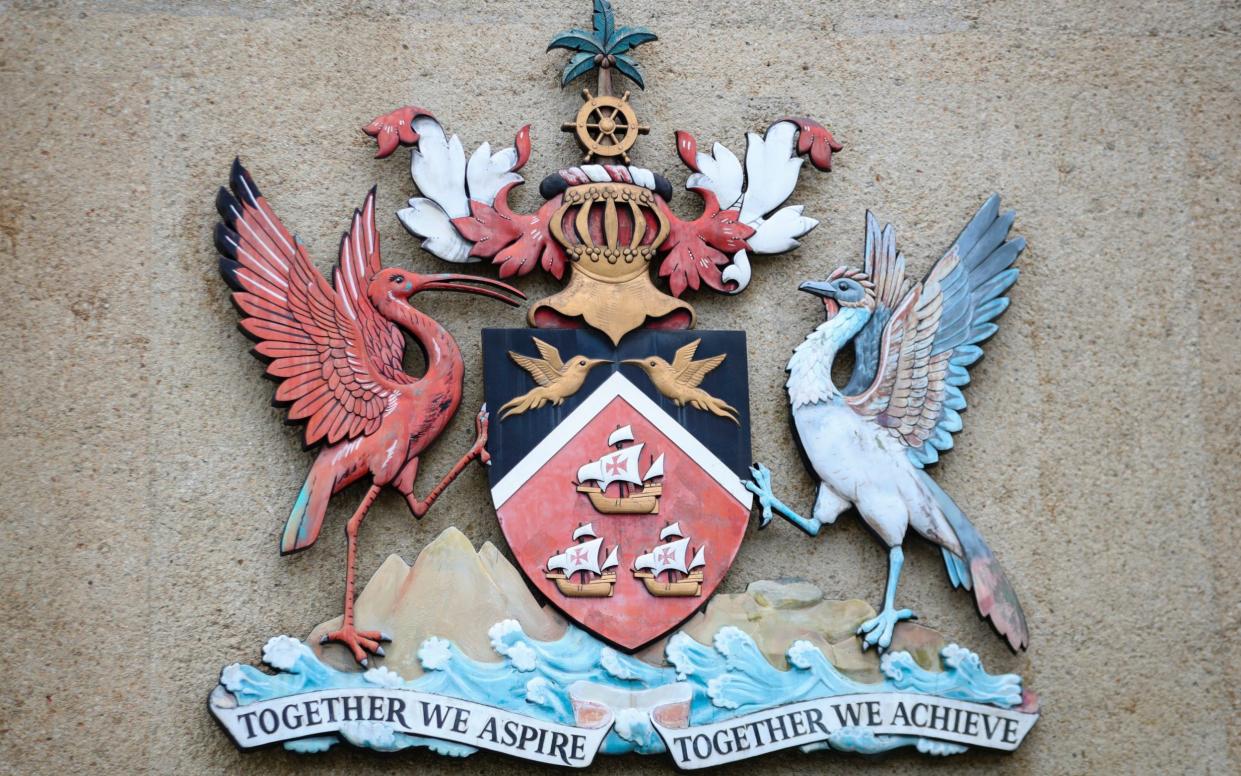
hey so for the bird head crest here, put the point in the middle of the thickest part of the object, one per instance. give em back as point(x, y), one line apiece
point(845, 287)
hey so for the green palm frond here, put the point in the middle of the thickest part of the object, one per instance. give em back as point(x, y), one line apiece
point(580, 63)
point(577, 40)
point(628, 37)
point(603, 18)
point(630, 69)
point(604, 40)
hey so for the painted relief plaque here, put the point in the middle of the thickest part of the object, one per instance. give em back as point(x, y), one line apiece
point(616, 436)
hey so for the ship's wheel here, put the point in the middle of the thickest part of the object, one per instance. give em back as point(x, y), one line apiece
point(606, 126)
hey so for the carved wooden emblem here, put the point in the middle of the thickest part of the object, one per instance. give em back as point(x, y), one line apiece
point(624, 501)
point(618, 450)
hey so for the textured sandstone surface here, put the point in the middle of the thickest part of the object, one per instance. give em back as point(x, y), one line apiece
point(146, 476)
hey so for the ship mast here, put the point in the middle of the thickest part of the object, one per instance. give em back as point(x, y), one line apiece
point(622, 434)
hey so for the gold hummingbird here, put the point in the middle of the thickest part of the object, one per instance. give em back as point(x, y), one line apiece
point(679, 380)
point(555, 380)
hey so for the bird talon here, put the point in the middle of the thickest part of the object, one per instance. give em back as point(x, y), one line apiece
point(765, 517)
point(878, 629)
point(761, 486)
point(358, 642)
point(762, 476)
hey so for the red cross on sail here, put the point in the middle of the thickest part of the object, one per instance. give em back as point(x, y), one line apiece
point(668, 559)
point(621, 466)
point(618, 464)
point(582, 562)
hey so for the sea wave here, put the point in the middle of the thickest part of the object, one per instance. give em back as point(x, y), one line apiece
point(728, 677)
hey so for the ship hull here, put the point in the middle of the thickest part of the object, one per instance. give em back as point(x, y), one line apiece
point(644, 502)
point(601, 587)
point(690, 585)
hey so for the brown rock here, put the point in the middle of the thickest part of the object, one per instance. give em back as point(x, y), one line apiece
point(451, 592)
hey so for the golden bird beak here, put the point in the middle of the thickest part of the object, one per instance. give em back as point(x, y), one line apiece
point(594, 362)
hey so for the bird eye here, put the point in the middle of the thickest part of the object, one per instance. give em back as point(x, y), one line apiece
point(652, 363)
point(582, 362)
point(398, 278)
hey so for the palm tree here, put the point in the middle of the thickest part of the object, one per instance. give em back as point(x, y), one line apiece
point(603, 47)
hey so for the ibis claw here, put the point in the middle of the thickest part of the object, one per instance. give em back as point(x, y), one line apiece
point(360, 643)
point(481, 422)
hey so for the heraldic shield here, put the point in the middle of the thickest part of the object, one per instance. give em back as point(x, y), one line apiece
point(617, 470)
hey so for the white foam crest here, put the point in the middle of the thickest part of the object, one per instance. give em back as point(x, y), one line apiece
point(282, 652)
point(435, 653)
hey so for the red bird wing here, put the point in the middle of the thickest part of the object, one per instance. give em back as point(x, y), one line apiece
point(329, 347)
point(359, 262)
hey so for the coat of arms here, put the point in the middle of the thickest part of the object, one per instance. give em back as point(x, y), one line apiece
point(616, 436)
point(648, 452)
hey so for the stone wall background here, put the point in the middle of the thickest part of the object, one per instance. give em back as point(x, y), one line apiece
point(146, 476)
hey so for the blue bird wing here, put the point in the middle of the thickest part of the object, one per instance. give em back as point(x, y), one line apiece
point(933, 335)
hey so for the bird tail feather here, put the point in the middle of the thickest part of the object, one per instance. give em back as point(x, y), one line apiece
point(517, 405)
point(306, 518)
point(958, 572)
point(723, 409)
point(981, 572)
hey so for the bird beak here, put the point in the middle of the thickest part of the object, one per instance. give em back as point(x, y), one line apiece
point(825, 292)
point(632, 362)
point(594, 362)
point(470, 284)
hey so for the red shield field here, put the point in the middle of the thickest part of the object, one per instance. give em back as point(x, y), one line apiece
point(623, 519)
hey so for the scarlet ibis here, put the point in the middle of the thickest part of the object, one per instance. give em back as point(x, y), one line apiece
point(337, 350)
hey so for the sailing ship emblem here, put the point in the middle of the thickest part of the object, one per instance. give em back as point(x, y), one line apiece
point(682, 579)
point(621, 468)
point(581, 561)
point(613, 466)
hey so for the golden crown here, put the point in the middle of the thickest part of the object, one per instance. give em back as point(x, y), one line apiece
point(610, 230)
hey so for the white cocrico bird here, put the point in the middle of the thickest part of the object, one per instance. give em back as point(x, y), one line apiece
point(868, 443)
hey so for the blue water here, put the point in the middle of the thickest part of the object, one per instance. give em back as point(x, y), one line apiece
point(729, 677)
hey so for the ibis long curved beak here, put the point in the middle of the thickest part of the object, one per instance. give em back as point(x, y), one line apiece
point(472, 284)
